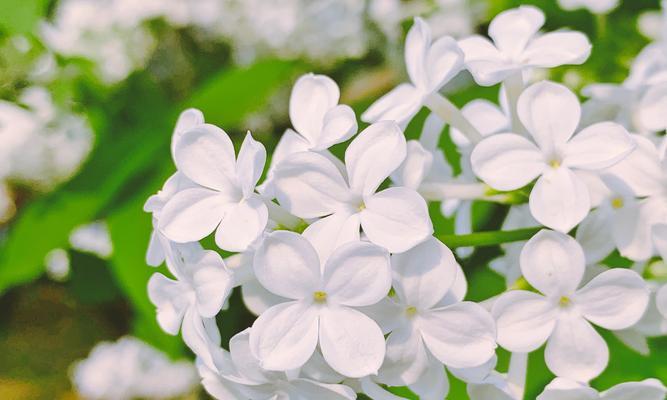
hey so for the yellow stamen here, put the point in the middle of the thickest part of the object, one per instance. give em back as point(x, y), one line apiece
point(564, 301)
point(410, 311)
point(554, 163)
point(320, 297)
point(617, 202)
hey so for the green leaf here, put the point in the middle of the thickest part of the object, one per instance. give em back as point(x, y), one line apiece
point(491, 238)
point(21, 16)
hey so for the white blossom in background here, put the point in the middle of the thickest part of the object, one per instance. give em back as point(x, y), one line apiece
point(553, 154)
point(562, 313)
point(594, 6)
point(128, 369)
point(92, 238)
point(57, 264)
point(565, 389)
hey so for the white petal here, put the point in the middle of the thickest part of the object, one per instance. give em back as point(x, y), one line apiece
point(250, 164)
point(257, 299)
point(484, 115)
point(205, 154)
point(507, 161)
point(575, 350)
point(553, 263)
point(652, 108)
point(399, 105)
point(524, 320)
point(512, 29)
point(550, 112)
point(212, 283)
point(486, 64)
point(397, 219)
point(661, 300)
point(414, 168)
point(377, 392)
point(309, 185)
point(285, 336)
point(373, 155)
point(637, 243)
point(287, 265)
point(433, 384)
point(559, 199)
point(245, 363)
point(333, 231)
point(357, 274)
point(649, 389)
point(558, 48)
point(461, 335)
point(566, 389)
point(417, 43)
point(352, 344)
point(242, 225)
point(193, 214)
point(201, 335)
point(187, 120)
point(424, 274)
point(312, 96)
point(660, 239)
point(494, 387)
point(595, 235)
point(171, 302)
point(598, 146)
point(443, 61)
point(641, 170)
point(339, 124)
point(308, 389)
point(615, 299)
point(406, 357)
point(155, 253)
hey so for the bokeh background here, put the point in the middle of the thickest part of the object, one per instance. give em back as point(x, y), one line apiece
point(90, 91)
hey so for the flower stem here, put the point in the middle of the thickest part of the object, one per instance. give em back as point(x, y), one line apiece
point(449, 113)
point(516, 376)
point(513, 88)
point(490, 238)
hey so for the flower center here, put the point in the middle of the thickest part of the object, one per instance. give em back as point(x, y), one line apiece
point(320, 296)
point(564, 301)
point(361, 207)
point(617, 202)
point(555, 163)
point(411, 311)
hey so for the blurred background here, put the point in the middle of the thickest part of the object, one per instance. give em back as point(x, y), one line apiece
point(89, 94)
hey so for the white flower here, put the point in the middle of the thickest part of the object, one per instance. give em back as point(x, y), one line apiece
point(553, 263)
point(242, 373)
point(191, 302)
point(565, 389)
point(323, 296)
point(92, 238)
point(661, 300)
point(517, 47)
point(310, 185)
point(128, 369)
point(594, 6)
point(57, 264)
point(507, 265)
point(493, 387)
point(550, 112)
point(430, 66)
point(429, 323)
point(225, 202)
point(319, 122)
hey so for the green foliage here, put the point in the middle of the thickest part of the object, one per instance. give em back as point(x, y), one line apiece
point(21, 16)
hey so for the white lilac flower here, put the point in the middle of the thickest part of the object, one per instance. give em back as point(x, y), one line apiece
point(430, 65)
point(562, 313)
point(130, 368)
point(319, 122)
point(310, 185)
point(517, 46)
point(92, 238)
point(225, 200)
point(551, 112)
point(430, 325)
point(191, 301)
point(594, 6)
point(507, 265)
point(240, 375)
point(661, 300)
point(565, 389)
point(57, 264)
point(323, 297)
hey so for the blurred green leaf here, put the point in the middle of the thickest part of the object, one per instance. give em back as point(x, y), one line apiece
point(21, 16)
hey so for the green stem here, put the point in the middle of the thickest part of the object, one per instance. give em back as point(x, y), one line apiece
point(490, 238)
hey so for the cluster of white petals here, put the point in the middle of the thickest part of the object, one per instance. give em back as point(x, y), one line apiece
point(353, 290)
point(42, 144)
point(130, 368)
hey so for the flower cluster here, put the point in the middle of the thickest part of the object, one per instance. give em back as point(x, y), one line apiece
point(338, 258)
